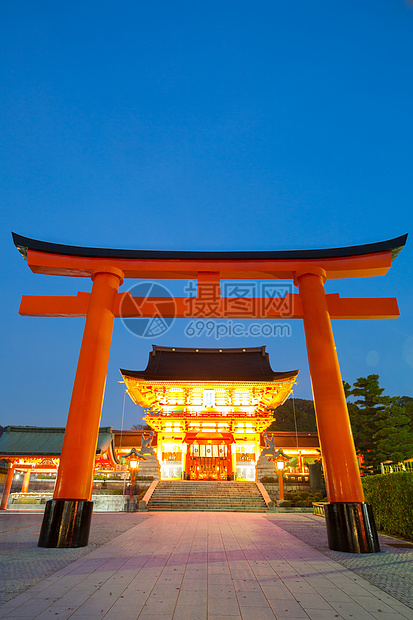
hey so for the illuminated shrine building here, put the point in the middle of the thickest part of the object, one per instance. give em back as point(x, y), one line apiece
point(208, 407)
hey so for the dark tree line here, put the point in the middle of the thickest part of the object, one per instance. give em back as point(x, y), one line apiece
point(382, 426)
point(294, 410)
point(140, 427)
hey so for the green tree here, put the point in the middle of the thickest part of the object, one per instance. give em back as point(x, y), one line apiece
point(381, 425)
point(284, 419)
point(407, 402)
point(365, 417)
point(352, 407)
point(394, 438)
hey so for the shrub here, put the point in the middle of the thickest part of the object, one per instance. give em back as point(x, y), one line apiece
point(288, 496)
point(318, 497)
point(301, 503)
point(391, 496)
point(25, 500)
point(296, 499)
point(304, 494)
point(285, 504)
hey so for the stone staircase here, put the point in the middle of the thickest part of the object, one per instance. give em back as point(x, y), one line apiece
point(207, 495)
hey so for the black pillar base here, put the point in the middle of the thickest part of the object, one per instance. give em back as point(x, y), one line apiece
point(66, 523)
point(351, 527)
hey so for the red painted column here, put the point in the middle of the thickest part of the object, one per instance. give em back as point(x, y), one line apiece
point(336, 440)
point(26, 480)
point(186, 462)
point(7, 487)
point(280, 485)
point(75, 474)
point(132, 484)
point(229, 460)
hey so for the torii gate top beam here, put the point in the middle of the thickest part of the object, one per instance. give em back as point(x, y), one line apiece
point(373, 259)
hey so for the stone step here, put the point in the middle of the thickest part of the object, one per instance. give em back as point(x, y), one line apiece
point(208, 482)
point(181, 501)
point(179, 506)
point(212, 496)
point(208, 495)
point(207, 506)
point(202, 492)
point(207, 498)
point(237, 509)
point(205, 503)
point(226, 483)
point(217, 496)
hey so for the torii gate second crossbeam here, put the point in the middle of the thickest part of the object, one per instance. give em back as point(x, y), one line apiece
point(350, 522)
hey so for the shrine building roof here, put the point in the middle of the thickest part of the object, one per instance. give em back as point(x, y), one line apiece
point(43, 441)
point(185, 364)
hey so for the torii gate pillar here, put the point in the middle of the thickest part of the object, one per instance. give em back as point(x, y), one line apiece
point(67, 516)
point(7, 486)
point(344, 490)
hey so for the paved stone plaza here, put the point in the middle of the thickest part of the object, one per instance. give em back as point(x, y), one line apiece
point(200, 565)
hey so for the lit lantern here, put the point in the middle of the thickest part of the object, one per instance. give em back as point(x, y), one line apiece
point(280, 460)
point(133, 458)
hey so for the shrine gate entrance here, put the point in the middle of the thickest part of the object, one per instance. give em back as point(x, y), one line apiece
point(350, 523)
point(209, 460)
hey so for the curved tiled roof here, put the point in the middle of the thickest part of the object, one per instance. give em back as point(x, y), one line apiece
point(43, 441)
point(168, 363)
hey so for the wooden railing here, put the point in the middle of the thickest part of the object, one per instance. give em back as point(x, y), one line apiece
point(318, 508)
point(394, 468)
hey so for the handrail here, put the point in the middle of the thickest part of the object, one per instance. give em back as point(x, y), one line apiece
point(394, 468)
point(318, 508)
point(267, 499)
point(145, 499)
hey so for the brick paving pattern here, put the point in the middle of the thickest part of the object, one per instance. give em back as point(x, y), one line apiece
point(209, 566)
point(391, 570)
point(23, 563)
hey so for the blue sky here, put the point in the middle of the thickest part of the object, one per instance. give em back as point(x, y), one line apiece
point(201, 125)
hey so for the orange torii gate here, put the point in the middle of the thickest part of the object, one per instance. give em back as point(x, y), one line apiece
point(350, 523)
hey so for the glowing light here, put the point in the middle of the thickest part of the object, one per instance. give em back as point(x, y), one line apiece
point(209, 398)
point(171, 447)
